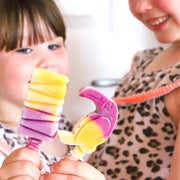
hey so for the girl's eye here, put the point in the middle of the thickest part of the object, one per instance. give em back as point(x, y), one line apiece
point(54, 46)
point(24, 50)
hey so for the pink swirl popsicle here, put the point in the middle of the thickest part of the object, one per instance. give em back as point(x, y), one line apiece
point(43, 106)
point(93, 129)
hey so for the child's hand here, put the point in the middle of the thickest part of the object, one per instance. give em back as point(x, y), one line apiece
point(71, 169)
point(22, 164)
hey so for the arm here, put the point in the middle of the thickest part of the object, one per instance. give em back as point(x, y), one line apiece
point(172, 101)
point(23, 163)
point(72, 169)
point(175, 173)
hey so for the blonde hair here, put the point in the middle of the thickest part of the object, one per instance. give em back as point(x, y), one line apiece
point(41, 16)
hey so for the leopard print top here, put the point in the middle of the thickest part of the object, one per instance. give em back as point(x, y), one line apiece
point(142, 143)
point(10, 141)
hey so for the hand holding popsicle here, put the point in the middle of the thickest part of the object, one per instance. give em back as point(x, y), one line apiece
point(43, 106)
point(93, 129)
point(22, 163)
point(72, 169)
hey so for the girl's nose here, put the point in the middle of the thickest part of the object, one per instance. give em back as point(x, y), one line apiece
point(47, 63)
point(143, 6)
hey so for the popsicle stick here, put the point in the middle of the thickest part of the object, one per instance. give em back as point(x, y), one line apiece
point(75, 157)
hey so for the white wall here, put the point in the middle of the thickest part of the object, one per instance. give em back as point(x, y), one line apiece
point(100, 45)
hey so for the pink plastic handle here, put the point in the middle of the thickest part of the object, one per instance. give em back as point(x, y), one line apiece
point(34, 143)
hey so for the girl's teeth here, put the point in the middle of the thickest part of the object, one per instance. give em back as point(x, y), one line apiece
point(159, 21)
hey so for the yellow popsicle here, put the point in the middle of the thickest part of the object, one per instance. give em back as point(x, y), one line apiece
point(42, 76)
point(34, 96)
point(55, 91)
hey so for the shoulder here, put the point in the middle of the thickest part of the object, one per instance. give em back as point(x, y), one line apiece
point(172, 101)
point(145, 55)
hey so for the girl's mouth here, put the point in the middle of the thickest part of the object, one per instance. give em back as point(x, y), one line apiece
point(158, 21)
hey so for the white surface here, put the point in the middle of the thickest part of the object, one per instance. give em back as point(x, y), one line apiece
point(82, 7)
point(96, 53)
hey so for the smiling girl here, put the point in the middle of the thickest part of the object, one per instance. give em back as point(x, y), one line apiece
point(145, 144)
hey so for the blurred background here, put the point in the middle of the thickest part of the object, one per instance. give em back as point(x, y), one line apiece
point(102, 38)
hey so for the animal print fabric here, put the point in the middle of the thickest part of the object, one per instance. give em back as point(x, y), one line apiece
point(15, 141)
point(141, 145)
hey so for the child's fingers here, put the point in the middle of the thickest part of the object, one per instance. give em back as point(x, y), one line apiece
point(60, 176)
point(77, 169)
point(18, 169)
point(22, 162)
point(24, 154)
point(21, 178)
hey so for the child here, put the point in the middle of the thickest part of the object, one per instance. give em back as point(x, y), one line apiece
point(32, 35)
point(145, 142)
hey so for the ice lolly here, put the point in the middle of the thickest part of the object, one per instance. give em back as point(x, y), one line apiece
point(93, 129)
point(43, 106)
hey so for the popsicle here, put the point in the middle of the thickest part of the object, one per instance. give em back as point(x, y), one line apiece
point(43, 106)
point(93, 129)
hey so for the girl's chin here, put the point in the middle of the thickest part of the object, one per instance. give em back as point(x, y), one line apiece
point(162, 41)
point(163, 38)
point(18, 103)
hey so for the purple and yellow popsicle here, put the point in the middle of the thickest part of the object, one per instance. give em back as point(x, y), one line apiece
point(93, 129)
point(43, 106)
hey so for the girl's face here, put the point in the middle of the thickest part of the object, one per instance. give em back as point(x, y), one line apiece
point(17, 65)
point(160, 16)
